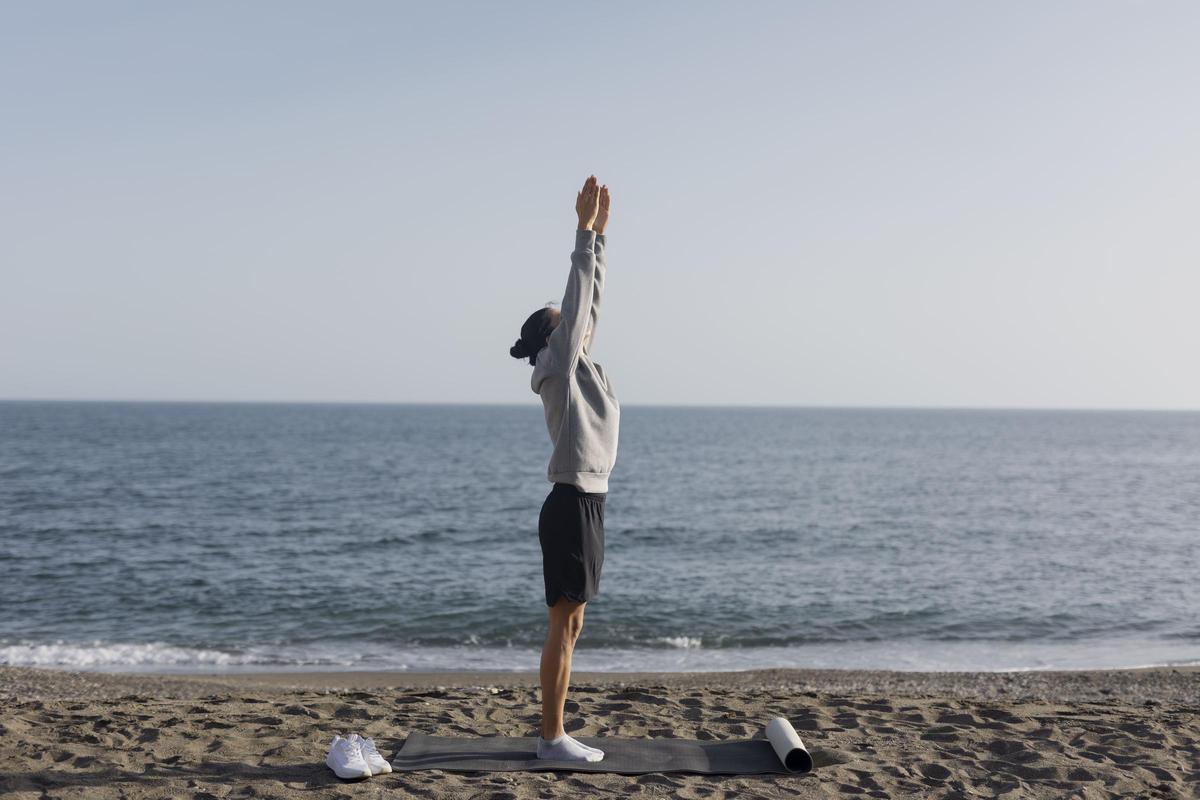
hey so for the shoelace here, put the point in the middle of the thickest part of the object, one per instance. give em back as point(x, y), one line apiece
point(351, 747)
point(368, 747)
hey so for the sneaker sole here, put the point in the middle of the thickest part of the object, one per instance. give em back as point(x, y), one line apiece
point(348, 776)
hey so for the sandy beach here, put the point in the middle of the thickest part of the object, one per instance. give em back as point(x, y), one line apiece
point(1122, 733)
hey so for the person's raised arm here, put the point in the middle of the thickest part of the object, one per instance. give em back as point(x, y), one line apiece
point(566, 340)
point(599, 226)
point(597, 292)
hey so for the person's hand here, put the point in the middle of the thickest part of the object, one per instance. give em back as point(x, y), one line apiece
point(602, 216)
point(587, 203)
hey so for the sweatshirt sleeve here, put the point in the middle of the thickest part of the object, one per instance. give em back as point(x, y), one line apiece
point(566, 341)
point(597, 291)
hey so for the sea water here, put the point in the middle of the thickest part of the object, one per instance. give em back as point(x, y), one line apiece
point(213, 537)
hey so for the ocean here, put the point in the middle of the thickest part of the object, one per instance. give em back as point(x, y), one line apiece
point(213, 537)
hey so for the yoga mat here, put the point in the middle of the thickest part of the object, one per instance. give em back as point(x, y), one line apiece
point(782, 751)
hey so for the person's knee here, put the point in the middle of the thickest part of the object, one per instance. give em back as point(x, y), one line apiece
point(575, 623)
point(567, 616)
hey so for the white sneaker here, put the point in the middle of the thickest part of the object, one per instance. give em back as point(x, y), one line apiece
point(377, 763)
point(346, 758)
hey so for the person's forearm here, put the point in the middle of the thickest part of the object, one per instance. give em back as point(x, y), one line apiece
point(566, 340)
point(597, 289)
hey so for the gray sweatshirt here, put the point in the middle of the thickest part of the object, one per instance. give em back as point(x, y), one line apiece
point(582, 413)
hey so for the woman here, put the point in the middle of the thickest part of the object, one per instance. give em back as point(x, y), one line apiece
point(582, 415)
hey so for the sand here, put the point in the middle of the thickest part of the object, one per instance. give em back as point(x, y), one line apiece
point(1122, 733)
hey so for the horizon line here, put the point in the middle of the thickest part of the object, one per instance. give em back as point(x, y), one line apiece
point(510, 404)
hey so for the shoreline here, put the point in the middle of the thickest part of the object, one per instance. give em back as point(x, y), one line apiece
point(1135, 684)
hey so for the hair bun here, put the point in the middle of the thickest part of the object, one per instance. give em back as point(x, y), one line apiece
point(518, 350)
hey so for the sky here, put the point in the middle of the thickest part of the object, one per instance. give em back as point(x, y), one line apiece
point(937, 204)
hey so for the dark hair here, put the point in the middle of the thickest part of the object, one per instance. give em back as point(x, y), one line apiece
point(533, 335)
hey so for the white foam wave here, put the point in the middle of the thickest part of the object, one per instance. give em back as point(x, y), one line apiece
point(97, 653)
point(684, 654)
point(683, 642)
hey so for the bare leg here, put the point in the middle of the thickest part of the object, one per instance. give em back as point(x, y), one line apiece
point(566, 622)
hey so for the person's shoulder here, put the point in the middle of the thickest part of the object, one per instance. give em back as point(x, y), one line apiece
point(546, 363)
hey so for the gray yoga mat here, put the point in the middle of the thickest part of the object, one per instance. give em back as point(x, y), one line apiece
point(623, 756)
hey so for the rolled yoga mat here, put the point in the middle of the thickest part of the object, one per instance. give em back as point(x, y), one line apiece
point(781, 751)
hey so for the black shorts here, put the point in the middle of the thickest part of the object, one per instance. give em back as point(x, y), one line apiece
point(571, 529)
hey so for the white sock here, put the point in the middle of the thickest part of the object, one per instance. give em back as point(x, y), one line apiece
point(584, 746)
point(564, 748)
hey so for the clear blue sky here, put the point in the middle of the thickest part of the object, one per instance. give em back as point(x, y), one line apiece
point(943, 204)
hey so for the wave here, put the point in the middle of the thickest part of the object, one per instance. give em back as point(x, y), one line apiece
point(90, 655)
point(98, 655)
point(669, 654)
point(683, 642)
